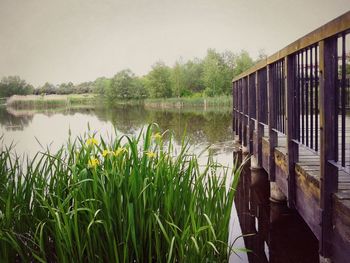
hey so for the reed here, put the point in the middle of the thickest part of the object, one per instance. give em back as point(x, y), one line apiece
point(130, 200)
point(178, 103)
point(49, 101)
point(218, 101)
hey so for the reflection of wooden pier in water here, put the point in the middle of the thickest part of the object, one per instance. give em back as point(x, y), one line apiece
point(290, 113)
point(271, 230)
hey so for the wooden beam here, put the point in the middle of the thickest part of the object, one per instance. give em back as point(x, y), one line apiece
point(328, 136)
point(233, 108)
point(240, 117)
point(259, 113)
point(271, 123)
point(245, 111)
point(291, 117)
point(251, 106)
point(260, 110)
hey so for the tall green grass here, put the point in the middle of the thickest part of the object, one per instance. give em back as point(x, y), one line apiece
point(222, 101)
point(218, 101)
point(130, 200)
point(50, 101)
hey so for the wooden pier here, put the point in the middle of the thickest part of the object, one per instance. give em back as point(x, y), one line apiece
point(291, 113)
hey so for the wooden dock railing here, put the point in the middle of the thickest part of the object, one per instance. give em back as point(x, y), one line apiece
point(298, 100)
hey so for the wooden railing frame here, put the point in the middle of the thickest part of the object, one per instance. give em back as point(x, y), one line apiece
point(332, 28)
point(326, 37)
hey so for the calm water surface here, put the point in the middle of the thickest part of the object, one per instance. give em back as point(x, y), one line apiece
point(271, 228)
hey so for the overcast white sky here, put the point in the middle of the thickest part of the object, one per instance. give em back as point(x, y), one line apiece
point(80, 40)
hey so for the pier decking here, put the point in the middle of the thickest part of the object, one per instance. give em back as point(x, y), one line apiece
point(290, 112)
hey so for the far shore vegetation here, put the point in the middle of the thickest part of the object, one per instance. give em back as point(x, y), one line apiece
point(58, 101)
point(197, 82)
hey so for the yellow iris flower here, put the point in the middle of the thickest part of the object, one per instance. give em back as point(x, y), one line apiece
point(157, 136)
point(91, 141)
point(151, 154)
point(93, 162)
point(105, 153)
point(119, 151)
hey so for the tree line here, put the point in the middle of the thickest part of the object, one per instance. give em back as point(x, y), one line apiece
point(209, 76)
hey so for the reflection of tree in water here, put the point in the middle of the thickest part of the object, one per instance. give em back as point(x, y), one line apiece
point(201, 126)
point(14, 122)
point(74, 110)
point(127, 119)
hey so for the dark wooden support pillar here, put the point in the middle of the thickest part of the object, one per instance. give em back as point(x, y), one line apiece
point(245, 111)
point(328, 136)
point(291, 129)
point(251, 122)
point(235, 125)
point(240, 117)
point(259, 77)
point(259, 132)
point(233, 110)
point(271, 122)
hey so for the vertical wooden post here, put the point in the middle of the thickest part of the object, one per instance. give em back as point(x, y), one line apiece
point(251, 122)
point(271, 122)
point(245, 110)
point(234, 115)
point(328, 136)
point(240, 109)
point(255, 146)
point(291, 129)
point(233, 108)
point(259, 130)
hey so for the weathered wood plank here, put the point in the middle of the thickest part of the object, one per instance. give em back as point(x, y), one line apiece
point(292, 147)
point(251, 109)
point(259, 81)
point(307, 199)
point(328, 173)
point(281, 170)
point(341, 233)
point(271, 123)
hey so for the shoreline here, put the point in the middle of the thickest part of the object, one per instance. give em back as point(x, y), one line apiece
point(56, 101)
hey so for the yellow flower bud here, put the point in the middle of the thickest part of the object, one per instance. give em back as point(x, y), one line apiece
point(93, 162)
point(91, 141)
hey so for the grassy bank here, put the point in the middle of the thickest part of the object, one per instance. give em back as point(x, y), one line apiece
point(50, 101)
point(219, 101)
point(184, 102)
point(54, 101)
point(130, 200)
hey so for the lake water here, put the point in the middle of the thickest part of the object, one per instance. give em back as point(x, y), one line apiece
point(273, 226)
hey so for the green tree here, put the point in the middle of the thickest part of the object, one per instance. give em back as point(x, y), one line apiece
point(120, 87)
point(14, 85)
point(123, 86)
point(84, 87)
point(139, 90)
point(214, 70)
point(101, 85)
point(47, 88)
point(159, 81)
point(194, 76)
point(243, 62)
point(65, 88)
point(178, 80)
